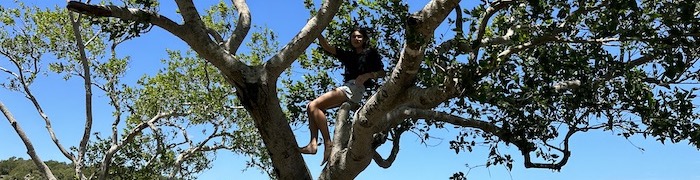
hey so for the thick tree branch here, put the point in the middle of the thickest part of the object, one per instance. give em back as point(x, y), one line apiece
point(242, 27)
point(193, 32)
point(189, 13)
point(420, 29)
point(286, 56)
point(343, 126)
point(43, 168)
point(127, 14)
point(386, 163)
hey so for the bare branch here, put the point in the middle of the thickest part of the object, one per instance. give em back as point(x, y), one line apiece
point(193, 32)
point(555, 166)
point(43, 168)
point(200, 147)
point(9, 72)
point(88, 95)
point(93, 37)
point(242, 27)
point(386, 163)
point(284, 58)
point(402, 113)
point(641, 60)
point(29, 95)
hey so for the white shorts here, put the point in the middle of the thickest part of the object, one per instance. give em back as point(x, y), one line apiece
point(353, 91)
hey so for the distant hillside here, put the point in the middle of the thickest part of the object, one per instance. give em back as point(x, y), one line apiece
point(18, 168)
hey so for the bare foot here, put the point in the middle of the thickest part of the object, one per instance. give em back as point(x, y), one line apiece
point(309, 149)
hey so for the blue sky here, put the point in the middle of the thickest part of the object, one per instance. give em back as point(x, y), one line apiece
point(596, 155)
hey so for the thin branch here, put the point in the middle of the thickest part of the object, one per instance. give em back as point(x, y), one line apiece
point(200, 147)
point(93, 37)
point(386, 163)
point(555, 166)
point(515, 49)
point(9, 72)
point(43, 168)
point(242, 27)
point(505, 39)
point(88, 95)
point(28, 94)
point(402, 113)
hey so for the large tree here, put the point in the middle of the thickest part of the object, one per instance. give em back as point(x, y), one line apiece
point(524, 73)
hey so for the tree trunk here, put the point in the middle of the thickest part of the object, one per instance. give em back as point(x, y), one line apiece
point(262, 103)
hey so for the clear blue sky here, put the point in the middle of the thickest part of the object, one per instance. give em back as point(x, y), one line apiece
point(596, 155)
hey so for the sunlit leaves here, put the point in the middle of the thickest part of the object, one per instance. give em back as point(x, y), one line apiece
point(263, 44)
point(221, 18)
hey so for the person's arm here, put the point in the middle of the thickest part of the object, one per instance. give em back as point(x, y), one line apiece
point(371, 75)
point(324, 44)
point(375, 67)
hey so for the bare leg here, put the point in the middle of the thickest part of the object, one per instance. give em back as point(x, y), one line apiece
point(317, 120)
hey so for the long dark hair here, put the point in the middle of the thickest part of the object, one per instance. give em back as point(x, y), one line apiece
point(365, 35)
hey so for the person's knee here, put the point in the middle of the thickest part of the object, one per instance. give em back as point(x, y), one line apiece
point(311, 106)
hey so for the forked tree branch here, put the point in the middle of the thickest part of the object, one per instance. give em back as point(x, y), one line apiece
point(43, 168)
point(193, 32)
point(129, 138)
point(200, 147)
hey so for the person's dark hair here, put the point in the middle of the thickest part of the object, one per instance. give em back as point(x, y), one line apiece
point(365, 35)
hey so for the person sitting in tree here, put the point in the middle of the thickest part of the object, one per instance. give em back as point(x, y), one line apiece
point(362, 64)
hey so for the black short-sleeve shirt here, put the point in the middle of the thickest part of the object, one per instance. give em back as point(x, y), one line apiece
point(359, 63)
